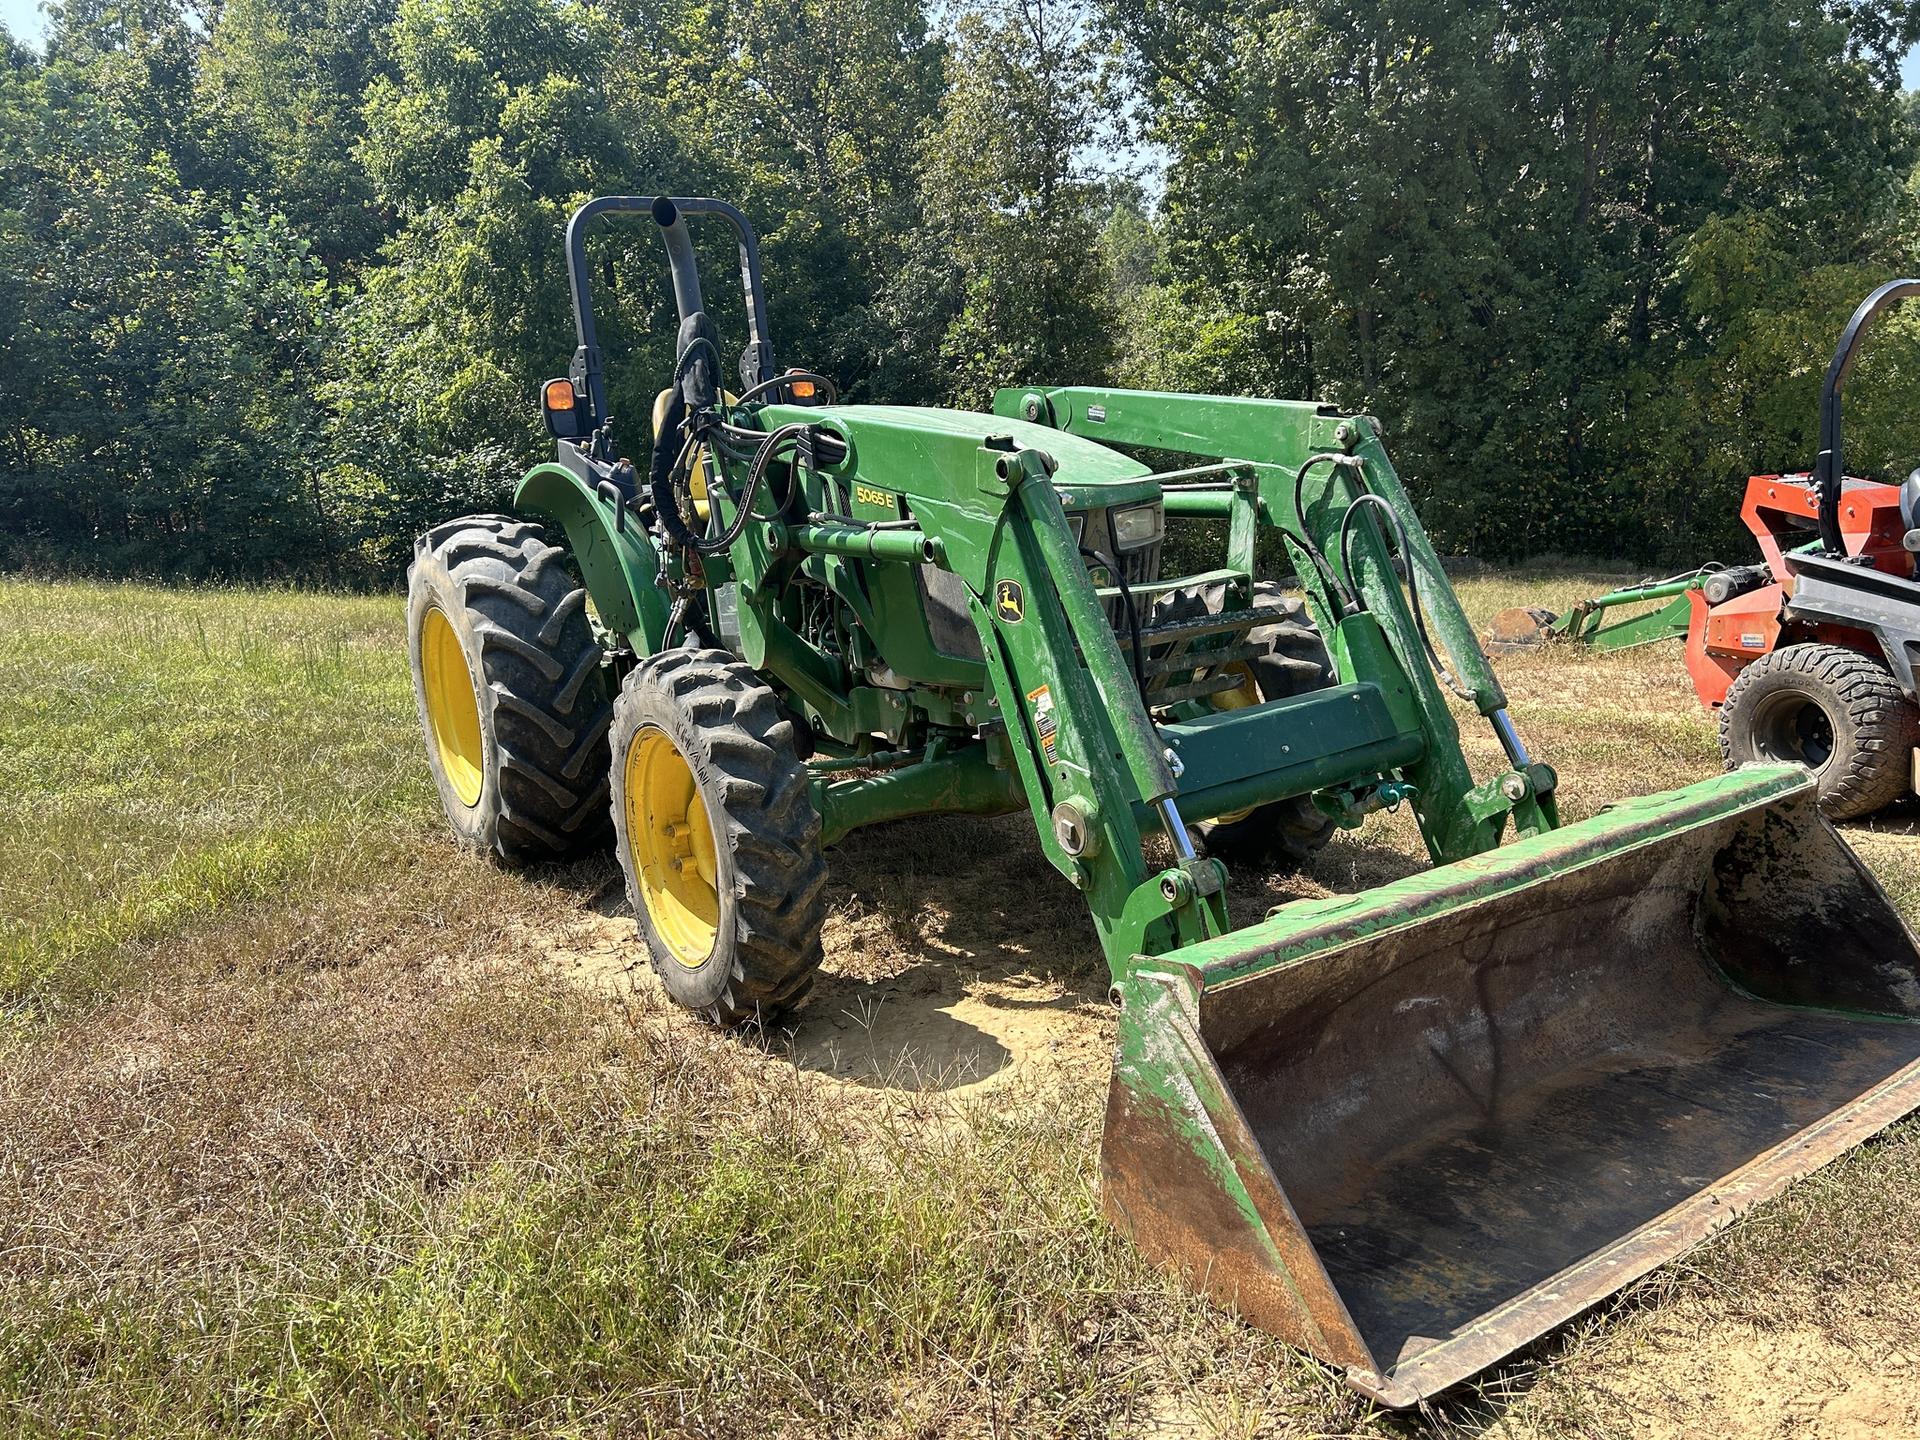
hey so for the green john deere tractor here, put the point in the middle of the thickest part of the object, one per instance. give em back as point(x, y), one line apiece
point(1408, 1129)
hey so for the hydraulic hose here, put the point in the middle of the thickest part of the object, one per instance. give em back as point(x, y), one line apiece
point(668, 504)
point(1368, 499)
point(1333, 582)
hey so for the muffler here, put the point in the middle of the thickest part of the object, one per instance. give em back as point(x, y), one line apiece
point(1414, 1129)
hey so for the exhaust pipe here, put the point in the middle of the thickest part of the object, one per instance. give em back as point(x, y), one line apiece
point(686, 274)
point(698, 363)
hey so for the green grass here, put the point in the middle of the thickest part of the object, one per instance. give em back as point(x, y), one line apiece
point(169, 759)
point(300, 1134)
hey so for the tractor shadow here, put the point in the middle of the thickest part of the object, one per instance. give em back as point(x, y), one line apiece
point(955, 955)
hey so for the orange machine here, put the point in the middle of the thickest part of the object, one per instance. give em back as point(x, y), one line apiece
point(1782, 512)
point(1809, 656)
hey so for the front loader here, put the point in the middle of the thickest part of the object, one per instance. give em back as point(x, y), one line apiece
point(1409, 1129)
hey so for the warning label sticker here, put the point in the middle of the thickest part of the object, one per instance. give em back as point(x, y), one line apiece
point(1043, 721)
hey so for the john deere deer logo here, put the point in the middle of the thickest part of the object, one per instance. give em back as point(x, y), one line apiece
point(1009, 603)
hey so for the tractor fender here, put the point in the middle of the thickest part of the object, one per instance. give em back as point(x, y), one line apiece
point(615, 553)
point(1883, 609)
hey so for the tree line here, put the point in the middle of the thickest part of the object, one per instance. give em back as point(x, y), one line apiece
point(279, 278)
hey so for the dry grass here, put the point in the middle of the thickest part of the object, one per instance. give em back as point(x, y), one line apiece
point(322, 1144)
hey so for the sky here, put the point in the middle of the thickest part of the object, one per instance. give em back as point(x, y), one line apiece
point(24, 19)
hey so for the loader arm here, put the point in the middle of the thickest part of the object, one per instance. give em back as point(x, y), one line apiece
point(1275, 439)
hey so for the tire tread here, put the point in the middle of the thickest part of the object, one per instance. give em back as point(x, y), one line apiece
point(539, 661)
point(770, 827)
point(1872, 770)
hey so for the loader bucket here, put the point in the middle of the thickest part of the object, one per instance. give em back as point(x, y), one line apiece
point(1413, 1129)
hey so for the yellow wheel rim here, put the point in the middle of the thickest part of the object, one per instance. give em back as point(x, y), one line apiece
point(453, 713)
point(1246, 693)
point(670, 844)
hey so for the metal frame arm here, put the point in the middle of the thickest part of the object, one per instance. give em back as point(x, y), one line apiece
point(1829, 470)
point(756, 364)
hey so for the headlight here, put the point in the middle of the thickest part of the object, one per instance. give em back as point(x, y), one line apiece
point(1077, 525)
point(1138, 525)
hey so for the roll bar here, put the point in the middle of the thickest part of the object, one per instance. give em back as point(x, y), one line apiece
point(1829, 472)
point(668, 212)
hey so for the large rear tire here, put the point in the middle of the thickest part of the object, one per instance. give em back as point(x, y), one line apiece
point(1292, 660)
point(1833, 710)
point(717, 836)
point(511, 695)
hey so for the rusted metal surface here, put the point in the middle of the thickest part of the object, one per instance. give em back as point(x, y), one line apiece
point(1185, 1177)
point(1520, 628)
point(1449, 1134)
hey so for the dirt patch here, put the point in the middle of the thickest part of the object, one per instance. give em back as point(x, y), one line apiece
point(956, 962)
point(1693, 1376)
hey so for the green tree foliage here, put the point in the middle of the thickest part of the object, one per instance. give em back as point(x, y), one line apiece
point(280, 89)
point(1496, 226)
point(279, 278)
point(1010, 283)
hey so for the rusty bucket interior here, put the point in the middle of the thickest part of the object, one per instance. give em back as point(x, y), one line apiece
point(1461, 1127)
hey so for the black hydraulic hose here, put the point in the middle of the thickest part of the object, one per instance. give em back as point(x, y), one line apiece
point(1133, 616)
point(664, 478)
point(672, 422)
point(1368, 498)
point(757, 477)
point(743, 514)
point(668, 463)
point(685, 360)
point(732, 435)
point(1314, 552)
point(723, 440)
point(754, 392)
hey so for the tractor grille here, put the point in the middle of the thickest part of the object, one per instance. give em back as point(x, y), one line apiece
point(1142, 565)
point(1137, 567)
point(944, 596)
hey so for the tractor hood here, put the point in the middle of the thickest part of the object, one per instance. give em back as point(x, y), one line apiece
point(903, 439)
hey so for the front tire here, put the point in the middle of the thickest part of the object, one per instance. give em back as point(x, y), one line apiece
point(1831, 709)
point(507, 678)
point(717, 836)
